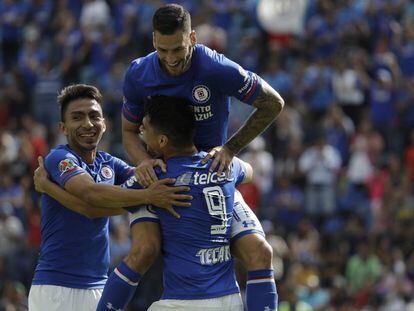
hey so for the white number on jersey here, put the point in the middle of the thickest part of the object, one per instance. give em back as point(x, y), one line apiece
point(216, 203)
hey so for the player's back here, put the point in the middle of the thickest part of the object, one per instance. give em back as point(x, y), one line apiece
point(196, 247)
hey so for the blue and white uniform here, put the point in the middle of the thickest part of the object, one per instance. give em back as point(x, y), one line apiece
point(208, 84)
point(74, 254)
point(196, 248)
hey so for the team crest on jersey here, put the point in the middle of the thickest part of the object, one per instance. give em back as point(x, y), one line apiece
point(66, 165)
point(201, 94)
point(107, 172)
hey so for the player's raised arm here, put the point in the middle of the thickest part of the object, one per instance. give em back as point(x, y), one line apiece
point(268, 105)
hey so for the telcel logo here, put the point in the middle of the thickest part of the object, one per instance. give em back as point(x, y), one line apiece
point(204, 179)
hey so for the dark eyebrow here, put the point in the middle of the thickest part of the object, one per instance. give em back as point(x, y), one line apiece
point(77, 112)
point(85, 112)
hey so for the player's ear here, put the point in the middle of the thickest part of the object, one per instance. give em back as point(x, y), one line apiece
point(62, 128)
point(153, 40)
point(193, 37)
point(103, 125)
point(162, 141)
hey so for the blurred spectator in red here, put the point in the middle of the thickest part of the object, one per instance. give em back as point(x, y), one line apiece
point(263, 167)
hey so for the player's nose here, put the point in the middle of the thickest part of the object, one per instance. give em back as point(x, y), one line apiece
point(87, 123)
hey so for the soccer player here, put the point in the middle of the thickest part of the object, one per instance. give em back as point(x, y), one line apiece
point(74, 256)
point(181, 67)
point(198, 267)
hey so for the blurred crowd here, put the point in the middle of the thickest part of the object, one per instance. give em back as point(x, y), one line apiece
point(334, 175)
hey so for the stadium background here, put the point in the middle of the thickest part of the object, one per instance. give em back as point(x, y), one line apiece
point(342, 233)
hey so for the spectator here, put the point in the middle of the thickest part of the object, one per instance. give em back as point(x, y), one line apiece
point(320, 164)
point(363, 268)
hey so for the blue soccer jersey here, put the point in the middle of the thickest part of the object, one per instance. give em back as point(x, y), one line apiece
point(208, 84)
point(74, 251)
point(196, 247)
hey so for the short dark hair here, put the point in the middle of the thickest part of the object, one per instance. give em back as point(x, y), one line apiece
point(74, 92)
point(171, 17)
point(173, 117)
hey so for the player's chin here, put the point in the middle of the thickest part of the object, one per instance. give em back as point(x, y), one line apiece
point(89, 145)
point(176, 70)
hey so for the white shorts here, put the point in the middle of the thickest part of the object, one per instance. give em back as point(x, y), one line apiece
point(244, 220)
point(226, 303)
point(59, 298)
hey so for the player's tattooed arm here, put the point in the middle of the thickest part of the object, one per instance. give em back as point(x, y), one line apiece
point(268, 106)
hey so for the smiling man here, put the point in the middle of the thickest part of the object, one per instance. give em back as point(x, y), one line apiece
point(181, 67)
point(74, 256)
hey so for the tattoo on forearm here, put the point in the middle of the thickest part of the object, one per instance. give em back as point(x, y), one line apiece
point(269, 104)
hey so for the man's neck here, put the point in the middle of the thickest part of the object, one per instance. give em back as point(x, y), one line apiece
point(180, 152)
point(86, 155)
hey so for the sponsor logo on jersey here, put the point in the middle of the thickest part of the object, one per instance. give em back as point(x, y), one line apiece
point(212, 256)
point(249, 223)
point(201, 94)
point(202, 112)
point(66, 165)
point(107, 172)
point(248, 84)
point(207, 178)
point(184, 179)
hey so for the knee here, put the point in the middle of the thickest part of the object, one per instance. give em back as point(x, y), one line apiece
point(262, 257)
point(142, 256)
point(256, 254)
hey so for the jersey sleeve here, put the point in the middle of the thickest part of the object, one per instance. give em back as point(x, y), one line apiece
point(239, 170)
point(62, 166)
point(235, 81)
point(133, 106)
point(123, 171)
point(132, 183)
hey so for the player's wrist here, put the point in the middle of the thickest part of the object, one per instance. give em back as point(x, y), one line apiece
point(146, 196)
point(144, 160)
point(45, 186)
point(231, 149)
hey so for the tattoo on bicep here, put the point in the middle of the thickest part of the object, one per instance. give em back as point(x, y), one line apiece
point(268, 99)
